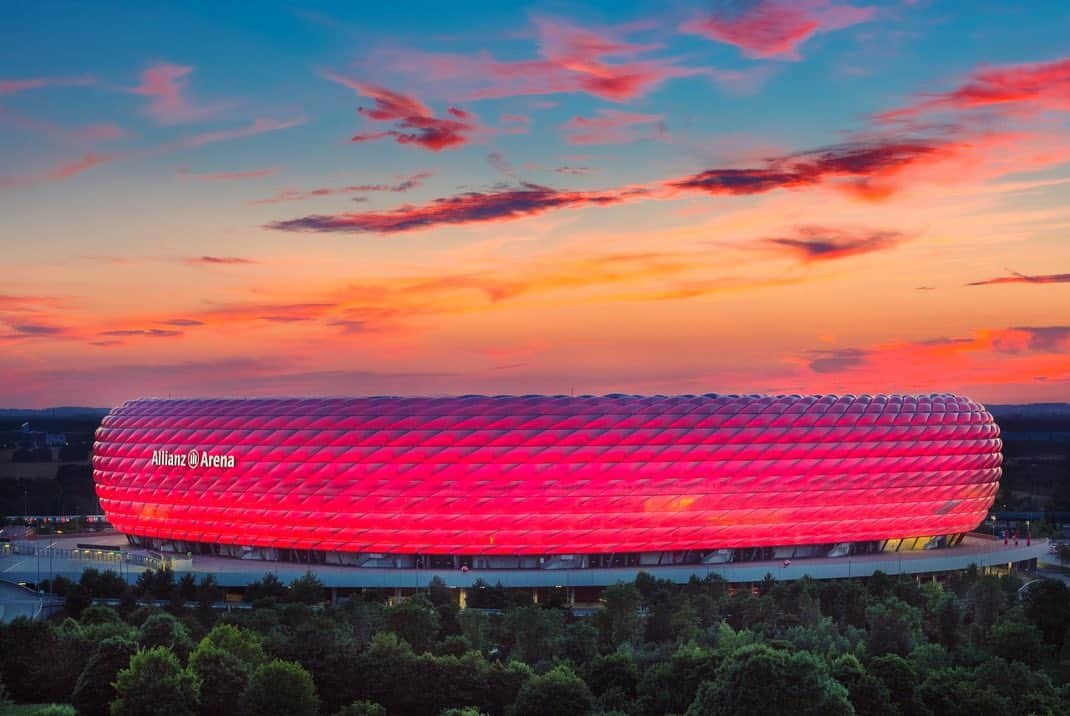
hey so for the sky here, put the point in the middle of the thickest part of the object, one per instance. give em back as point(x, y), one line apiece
point(225, 199)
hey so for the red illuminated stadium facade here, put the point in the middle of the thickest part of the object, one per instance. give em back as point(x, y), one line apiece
point(547, 481)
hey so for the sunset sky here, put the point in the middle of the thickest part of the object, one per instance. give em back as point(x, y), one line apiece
point(217, 199)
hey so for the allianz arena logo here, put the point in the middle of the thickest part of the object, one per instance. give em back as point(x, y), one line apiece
point(191, 459)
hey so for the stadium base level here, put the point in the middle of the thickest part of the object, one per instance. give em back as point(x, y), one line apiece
point(549, 562)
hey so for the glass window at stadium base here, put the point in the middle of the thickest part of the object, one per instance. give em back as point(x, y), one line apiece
point(547, 482)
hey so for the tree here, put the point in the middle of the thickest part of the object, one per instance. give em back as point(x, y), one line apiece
point(153, 584)
point(619, 619)
point(684, 622)
point(580, 641)
point(894, 627)
point(244, 644)
point(156, 683)
point(614, 671)
point(1047, 604)
point(361, 708)
point(223, 678)
point(867, 693)
point(759, 679)
point(187, 588)
point(986, 602)
point(415, 621)
point(280, 688)
point(953, 692)
point(306, 589)
point(484, 596)
point(94, 692)
point(534, 631)
point(670, 686)
point(209, 591)
point(559, 692)
point(438, 593)
point(77, 600)
point(1015, 639)
point(270, 587)
point(900, 678)
point(165, 630)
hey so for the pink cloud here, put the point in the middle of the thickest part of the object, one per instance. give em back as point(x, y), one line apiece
point(231, 176)
point(413, 121)
point(100, 131)
point(574, 171)
point(469, 208)
point(218, 261)
point(776, 28)
point(1040, 85)
point(21, 85)
point(614, 127)
point(1016, 277)
point(810, 244)
point(87, 162)
point(405, 184)
point(94, 159)
point(166, 85)
point(259, 126)
point(571, 59)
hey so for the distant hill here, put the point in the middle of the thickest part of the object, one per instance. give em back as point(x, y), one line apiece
point(1030, 410)
point(63, 411)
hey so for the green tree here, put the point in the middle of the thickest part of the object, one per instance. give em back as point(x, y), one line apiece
point(1014, 639)
point(685, 623)
point(670, 686)
point(559, 692)
point(954, 692)
point(306, 589)
point(867, 693)
point(899, 677)
point(415, 621)
point(438, 593)
point(534, 631)
point(154, 683)
point(94, 690)
point(759, 679)
point(223, 678)
point(986, 602)
point(280, 688)
point(580, 641)
point(164, 629)
point(1047, 604)
point(270, 587)
point(209, 591)
point(894, 627)
point(77, 600)
point(361, 708)
point(619, 619)
point(187, 588)
point(244, 644)
point(613, 671)
point(1027, 689)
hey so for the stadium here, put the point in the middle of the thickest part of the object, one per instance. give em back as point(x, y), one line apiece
point(512, 484)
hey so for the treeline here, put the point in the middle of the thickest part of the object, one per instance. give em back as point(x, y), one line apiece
point(974, 644)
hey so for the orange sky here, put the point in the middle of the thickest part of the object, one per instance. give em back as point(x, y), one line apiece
point(183, 231)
